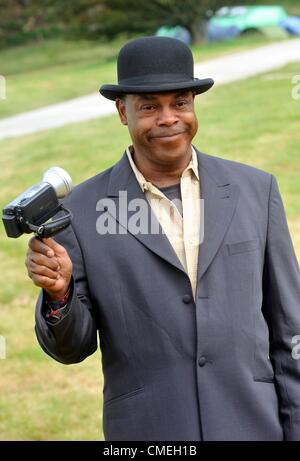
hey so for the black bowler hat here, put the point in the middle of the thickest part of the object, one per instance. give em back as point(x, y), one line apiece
point(155, 65)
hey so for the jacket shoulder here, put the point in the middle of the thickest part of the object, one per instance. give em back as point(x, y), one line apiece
point(235, 166)
point(237, 172)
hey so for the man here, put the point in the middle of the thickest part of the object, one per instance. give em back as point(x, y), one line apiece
point(196, 330)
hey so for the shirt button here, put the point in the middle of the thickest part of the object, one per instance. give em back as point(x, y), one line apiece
point(186, 299)
point(202, 361)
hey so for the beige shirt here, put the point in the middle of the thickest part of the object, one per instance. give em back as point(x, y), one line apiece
point(183, 231)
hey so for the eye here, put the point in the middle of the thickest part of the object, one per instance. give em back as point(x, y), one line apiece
point(148, 107)
point(182, 103)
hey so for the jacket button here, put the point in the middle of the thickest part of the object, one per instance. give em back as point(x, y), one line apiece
point(186, 299)
point(202, 361)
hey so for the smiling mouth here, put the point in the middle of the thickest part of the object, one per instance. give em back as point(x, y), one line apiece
point(170, 135)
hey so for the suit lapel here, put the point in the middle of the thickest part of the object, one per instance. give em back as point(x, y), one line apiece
point(220, 200)
point(123, 179)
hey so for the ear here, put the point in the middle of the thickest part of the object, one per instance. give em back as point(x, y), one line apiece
point(120, 105)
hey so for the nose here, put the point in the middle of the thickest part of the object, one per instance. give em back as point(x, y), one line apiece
point(167, 116)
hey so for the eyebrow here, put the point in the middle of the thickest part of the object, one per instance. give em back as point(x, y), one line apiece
point(150, 97)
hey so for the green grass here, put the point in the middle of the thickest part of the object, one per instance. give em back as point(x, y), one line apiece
point(254, 121)
point(55, 70)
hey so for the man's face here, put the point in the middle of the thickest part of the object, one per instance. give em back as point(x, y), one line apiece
point(161, 125)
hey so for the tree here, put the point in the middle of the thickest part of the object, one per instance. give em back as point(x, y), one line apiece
point(28, 20)
point(145, 16)
point(24, 20)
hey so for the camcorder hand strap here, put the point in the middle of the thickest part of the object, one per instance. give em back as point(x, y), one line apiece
point(53, 227)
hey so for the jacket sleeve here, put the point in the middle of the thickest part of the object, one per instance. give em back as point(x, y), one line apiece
point(74, 336)
point(281, 306)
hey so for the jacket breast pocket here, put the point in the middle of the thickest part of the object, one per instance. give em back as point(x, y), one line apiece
point(243, 247)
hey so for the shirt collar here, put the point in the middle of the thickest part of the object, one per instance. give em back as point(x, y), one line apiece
point(146, 185)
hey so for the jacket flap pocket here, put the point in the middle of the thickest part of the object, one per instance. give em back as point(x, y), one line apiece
point(242, 247)
point(121, 397)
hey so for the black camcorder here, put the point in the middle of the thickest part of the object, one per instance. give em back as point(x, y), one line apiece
point(32, 210)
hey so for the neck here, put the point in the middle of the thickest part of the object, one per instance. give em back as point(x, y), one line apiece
point(161, 174)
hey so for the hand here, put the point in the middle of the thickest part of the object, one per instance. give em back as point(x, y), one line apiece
point(49, 266)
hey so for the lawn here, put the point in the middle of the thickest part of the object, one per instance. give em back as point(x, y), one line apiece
point(53, 71)
point(255, 121)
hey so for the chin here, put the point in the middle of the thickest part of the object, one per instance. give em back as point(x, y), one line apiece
point(175, 148)
point(170, 155)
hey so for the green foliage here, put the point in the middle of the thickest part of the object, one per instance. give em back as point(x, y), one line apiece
point(22, 21)
point(145, 17)
point(28, 20)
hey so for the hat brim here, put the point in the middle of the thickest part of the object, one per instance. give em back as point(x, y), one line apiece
point(199, 86)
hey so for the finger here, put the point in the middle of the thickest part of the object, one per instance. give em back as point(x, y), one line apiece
point(42, 281)
point(56, 247)
point(39, 246)
point(42, 270)
point(42, 260)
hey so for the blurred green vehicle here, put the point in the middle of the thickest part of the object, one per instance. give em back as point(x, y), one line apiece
point(242, 19)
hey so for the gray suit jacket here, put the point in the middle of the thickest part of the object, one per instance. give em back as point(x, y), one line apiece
point(217, 368)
